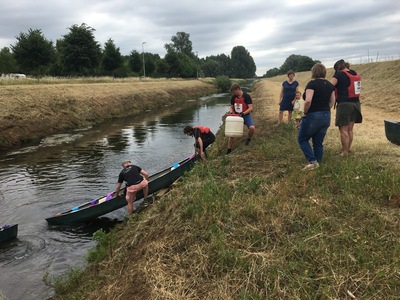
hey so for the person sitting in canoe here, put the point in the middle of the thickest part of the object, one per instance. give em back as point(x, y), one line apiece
point(203, 137)
point(136, 179)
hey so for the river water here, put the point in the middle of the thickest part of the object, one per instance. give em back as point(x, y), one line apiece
point(66, 170)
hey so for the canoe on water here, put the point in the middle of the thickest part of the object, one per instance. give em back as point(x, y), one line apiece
point(8, 232)
point(392, 131)
point(101, 206)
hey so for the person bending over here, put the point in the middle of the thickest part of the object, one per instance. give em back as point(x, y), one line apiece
point(203, 138)
point(136, 179)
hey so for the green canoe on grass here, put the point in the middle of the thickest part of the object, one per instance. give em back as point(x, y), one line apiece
point(101, 206)
point(8, 232)
point(392, 131)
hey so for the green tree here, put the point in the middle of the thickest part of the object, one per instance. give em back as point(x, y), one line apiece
point(112, 58)
point(226, 65)
point(151, 61)
point(80, 53)
point(243, 65)
point(219, 65)
point(298, 63)
point(174, 65)
point(135, 61)
point(180, 65)
point(181, 44)
point(56, 68)
point(189, 66)
point(162, 68)
point(180, 59)
point(7, 62)
point(211, 67)
point(273, 72)
point(33, 52)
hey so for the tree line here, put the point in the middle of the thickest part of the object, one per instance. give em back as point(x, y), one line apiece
point(295, 62)
point(78, 53)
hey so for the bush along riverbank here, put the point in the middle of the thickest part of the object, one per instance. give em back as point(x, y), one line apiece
point(252, 225)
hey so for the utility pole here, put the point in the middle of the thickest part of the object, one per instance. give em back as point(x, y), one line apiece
point(144, 66)
point(197, 65)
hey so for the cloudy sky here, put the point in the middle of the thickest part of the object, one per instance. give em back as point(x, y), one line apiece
point(271, 30)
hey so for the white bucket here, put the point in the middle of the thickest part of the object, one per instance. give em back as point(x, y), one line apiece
point(233, 126)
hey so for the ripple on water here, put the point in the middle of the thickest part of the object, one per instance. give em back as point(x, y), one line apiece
point(58, 139)
point(20, 249)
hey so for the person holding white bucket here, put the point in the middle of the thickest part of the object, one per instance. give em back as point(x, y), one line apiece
point(241, 104)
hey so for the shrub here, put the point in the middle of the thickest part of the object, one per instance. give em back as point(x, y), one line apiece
point(102, 248)
point(223, 83)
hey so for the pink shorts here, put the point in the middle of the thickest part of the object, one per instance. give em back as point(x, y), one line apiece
point(132, 189)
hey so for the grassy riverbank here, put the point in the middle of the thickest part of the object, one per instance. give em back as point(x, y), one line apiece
point(31, 110)
point(251, 225)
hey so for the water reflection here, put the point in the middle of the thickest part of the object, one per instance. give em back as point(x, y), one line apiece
point(184, 116)
point(118, 142)
point(151, 127)
point(140, 134)
point(66, 170)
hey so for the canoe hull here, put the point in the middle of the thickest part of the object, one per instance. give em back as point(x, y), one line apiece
point(392, 131)
point(8, 233)
point(87, 212)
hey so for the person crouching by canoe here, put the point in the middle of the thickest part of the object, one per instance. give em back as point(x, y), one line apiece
point(203, 138)
point(136, 179)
